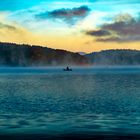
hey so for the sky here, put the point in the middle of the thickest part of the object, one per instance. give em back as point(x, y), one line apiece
point(73, 25)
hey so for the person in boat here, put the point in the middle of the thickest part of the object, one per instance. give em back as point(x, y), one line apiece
point(68, 69)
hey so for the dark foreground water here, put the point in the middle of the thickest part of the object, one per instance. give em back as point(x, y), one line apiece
point(101, 103)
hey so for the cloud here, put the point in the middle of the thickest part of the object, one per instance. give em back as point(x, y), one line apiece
point(10, 27)
point(98, 33)
point(124, 28)
point(70, 16)
point(112, 39)
point(10, 32)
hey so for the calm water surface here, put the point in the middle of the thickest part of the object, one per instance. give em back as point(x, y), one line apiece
point(86, 101)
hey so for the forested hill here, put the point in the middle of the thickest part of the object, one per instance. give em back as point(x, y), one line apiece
point(115, 57)
point(12, 54)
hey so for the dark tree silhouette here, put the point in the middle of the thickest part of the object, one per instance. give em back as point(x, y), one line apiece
point(12, 54)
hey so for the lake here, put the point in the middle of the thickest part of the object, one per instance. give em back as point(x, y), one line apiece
point(86, 102)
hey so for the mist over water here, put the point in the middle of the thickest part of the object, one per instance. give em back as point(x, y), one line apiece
point(85, 101)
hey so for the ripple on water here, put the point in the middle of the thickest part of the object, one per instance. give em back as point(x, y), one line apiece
point(67, 103)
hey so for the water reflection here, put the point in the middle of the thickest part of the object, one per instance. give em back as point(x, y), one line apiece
point(69, 103)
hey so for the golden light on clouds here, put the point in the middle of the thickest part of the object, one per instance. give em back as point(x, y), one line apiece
point(60, 38)
point(63, 25)
point(77, 42)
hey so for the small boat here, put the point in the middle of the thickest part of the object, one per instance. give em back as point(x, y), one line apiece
point(67, 69)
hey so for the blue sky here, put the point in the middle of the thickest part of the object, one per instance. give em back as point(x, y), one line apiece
point(24, 4)
point(13, 5)
point(21, 10)
point(54, 20)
